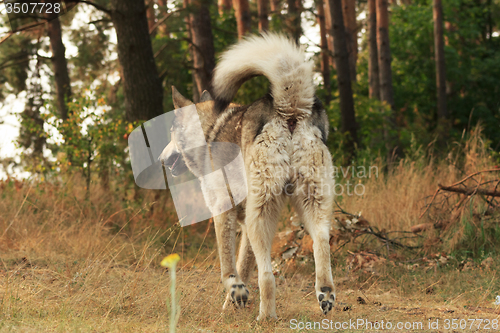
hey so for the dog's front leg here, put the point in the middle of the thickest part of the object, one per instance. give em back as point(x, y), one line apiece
point(225, 230)
point(246, 258)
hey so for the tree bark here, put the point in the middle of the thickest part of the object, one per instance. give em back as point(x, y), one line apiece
point(329, 36)
point(275, 6)
point(348, 118)
point(325, 63)
point(224, 6)
point(60, 65)
point(187, 19)
point(440, 61)
point(293, 19)
point(150, 14)
point(243, 18)
point(351, 28)
point(163, 28)
point(385, 75)
point(142, 86)
point(373, 73)
point(203, 51)
point(384, 53)
point(263, 9)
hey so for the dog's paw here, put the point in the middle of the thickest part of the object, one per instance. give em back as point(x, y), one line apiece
point(237, 293)
point(326, 299)
point(269, 318)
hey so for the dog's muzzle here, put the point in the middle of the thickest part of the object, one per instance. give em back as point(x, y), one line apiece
point(173, 160)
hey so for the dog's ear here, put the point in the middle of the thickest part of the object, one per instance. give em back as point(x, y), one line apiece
point(205, 96)
point(179, 100)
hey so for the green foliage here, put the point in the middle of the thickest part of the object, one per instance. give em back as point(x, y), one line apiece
point(371, 116)
point(93, 50)
point(172, 57)
point(14, 64)
point(94, 138)
point(480, 235)
point(472, 68)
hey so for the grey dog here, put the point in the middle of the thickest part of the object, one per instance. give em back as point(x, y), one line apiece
point(282, 138)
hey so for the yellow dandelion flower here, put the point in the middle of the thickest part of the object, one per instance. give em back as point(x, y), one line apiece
point(170, 261)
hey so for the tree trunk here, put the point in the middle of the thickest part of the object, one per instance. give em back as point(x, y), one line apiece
point(440, 62)
point(293, 19)
point(351, 28)
point(243, 19)
point(348, 118)
point(224, 6)
point(142, 86)
point(162, 29)
point(31, 133)
point(150, 14)
point(329, 36)
point(263, 9)
point(385, 75)
point(275, 6)
point(325, 63)
point(60, 65)
point(373, 74)
point(203, 44)
point(187, 19)
point(384, 53)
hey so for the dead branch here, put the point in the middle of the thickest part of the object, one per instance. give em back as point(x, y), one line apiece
point(160, 21)
point(429, 205)
point(22, 28)
point(470, 191)
point(474, 174)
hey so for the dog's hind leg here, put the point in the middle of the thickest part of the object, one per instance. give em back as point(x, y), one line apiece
point(261, 225)
point(313, 200)
point(268, 162)
point(225, 231)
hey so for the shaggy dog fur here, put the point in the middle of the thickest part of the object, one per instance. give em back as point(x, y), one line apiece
point(282, 138)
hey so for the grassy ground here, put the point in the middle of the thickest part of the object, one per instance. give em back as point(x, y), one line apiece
point(67, 264)
point(104, 296)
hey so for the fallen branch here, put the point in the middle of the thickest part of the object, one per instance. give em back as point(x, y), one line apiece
point(429, 205)
point(476, 173)
point(470, 191)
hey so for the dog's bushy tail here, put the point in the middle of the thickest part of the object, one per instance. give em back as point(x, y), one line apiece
point(277, 58)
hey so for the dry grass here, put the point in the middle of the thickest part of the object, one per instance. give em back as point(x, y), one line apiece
point(395, 201)
point(67, 264)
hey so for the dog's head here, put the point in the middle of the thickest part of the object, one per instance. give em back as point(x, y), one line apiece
point(177, 156)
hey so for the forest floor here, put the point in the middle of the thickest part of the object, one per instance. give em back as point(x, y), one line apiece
point(54, 294)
